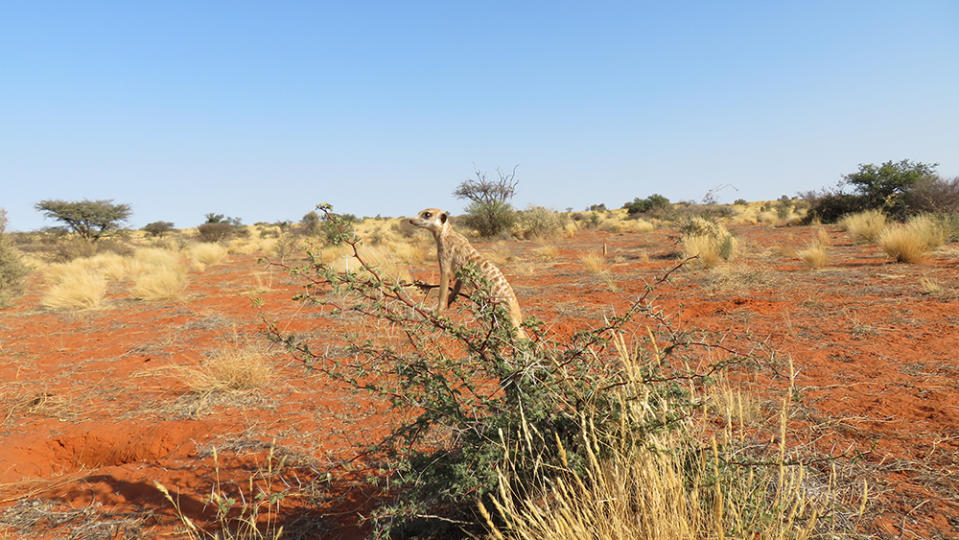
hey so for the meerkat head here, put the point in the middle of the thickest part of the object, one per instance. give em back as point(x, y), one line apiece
point(431, 219)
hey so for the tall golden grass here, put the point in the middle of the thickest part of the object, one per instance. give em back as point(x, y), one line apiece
point(909, 242)
point(710, 249)
point(594, 263)
point(675, 484)
point(865, 227)
point(162, 282)
point(814, 255)
point(203, 254)
point(80, 288)
point(157, 274)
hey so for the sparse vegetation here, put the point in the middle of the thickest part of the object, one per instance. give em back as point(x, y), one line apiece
point(515, 412)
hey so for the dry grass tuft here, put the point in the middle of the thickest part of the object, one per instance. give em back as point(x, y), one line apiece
point(594, 264)
point(903, 244)
point(710, 249)
point(205, 254)
point(929, 230)
point(814, 255)
point(83, 288)
point(910, 241)
point(236, 369)
point(546, 252)
point(865, 227)
point(931, 287)
point(708, 240)
point(160, 283)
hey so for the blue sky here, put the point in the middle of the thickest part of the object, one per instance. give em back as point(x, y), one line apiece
point(260, 110)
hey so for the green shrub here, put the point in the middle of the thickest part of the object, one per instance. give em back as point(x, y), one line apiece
point(830, 206)
point(654, 202)
point(334, 231)
point(13, 271)
point(884, 186)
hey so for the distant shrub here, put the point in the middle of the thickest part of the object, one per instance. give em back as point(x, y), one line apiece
point(489, 211)
point(864, 226)
point(158, 228)
point(784, 207)
point(932, 194)
point(653, 203)
point(538, 222)
point(583, 219)
point(740, 202)
point(310, 223)
point(13, 271)
point(601, 207)
point(215, 232)
point(896, 189)
point(885, 186)
point(831, 206)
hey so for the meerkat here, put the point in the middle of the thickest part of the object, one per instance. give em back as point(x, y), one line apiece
point(453, 251)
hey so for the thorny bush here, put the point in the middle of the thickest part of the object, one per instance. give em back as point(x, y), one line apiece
point(462, 386)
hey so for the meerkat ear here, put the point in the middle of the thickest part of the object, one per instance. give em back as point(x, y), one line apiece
point(442, 217)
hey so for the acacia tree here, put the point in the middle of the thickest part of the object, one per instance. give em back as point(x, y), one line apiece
point(91, 220)
point(489, 211)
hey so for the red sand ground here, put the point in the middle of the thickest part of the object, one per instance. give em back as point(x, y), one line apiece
point(95, 407)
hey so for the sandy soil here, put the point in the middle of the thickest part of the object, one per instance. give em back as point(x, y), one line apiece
point(96, 405)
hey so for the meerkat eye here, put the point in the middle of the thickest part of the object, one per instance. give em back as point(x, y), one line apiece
point(427, 215)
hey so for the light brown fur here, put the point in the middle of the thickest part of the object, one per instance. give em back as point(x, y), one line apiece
point(453, 251)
